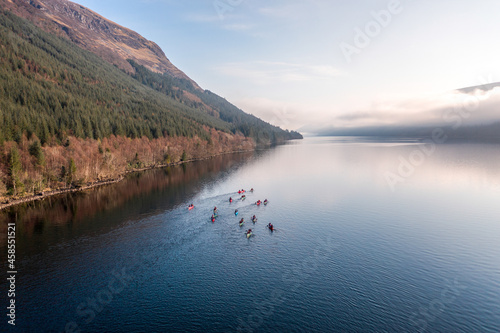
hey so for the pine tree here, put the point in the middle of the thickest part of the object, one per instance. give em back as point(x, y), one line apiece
point(15, 169)
point(35, 150)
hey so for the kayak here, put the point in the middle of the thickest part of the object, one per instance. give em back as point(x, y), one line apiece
point(190, 207)
point(236, 213)
point(254, 220)
point(249, 234)
point(271, 228)
point(266, 202)
point(241, 224)
point(213, 220)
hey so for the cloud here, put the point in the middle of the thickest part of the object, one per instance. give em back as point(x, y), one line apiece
point(473, 107)
point(267, 72)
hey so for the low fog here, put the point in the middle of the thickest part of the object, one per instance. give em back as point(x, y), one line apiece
point(472, 112)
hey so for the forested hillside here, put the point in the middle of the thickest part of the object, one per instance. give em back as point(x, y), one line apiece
point(68, 117)
point(211, 103)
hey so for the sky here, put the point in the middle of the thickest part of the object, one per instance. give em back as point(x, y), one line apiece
point(306, 64)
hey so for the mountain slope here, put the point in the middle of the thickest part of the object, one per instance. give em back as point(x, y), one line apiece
point(51, 87)
point(69, 117)
point(131, 52)
point(89, 30)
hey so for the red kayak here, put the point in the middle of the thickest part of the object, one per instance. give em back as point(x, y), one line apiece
point(190, 207)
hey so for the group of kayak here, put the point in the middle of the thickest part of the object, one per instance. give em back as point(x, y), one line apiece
point(249, 232)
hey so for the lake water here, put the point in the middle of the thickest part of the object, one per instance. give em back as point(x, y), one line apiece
point(372, 236)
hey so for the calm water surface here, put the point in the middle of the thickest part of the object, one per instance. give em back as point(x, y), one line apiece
point(371, 237)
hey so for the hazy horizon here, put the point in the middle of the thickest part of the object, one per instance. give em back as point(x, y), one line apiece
point(311, 64)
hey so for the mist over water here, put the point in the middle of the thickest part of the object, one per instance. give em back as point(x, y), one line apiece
point(350, 253)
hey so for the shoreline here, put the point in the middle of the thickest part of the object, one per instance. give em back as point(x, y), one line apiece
point(92, 185)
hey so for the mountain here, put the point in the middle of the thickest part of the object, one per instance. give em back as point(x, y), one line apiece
point(70, 117)
point(483, 87)
point(129, 51)
point(91, 31)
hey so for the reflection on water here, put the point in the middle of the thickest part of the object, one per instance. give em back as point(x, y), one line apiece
point(349, 254)
point(139, 193)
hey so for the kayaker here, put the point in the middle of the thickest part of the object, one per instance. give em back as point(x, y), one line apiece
point(251, 190)
point(265, 202)
point(270, 226)
point(235, 212)
point(215, 210)
point(213, 218)
point(249, 231)
point(230, 199)
point(242, 220)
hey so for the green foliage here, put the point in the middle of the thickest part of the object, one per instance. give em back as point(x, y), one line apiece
point(35, 150)
point(136, 162)
point(52, 88)
point(71, 172)
point(15, 168)
point(184, 156)
point(238, 120)
point(166, 158)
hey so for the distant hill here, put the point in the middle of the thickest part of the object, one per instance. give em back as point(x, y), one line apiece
point(483, 87)
point(472, 113)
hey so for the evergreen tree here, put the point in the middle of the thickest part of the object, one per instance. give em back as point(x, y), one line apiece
point(15, 169)
point(36, 150)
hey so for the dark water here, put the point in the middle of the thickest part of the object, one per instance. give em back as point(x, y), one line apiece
point(371, 237)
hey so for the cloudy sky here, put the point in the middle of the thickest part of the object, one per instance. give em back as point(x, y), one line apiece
point(299, 63)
